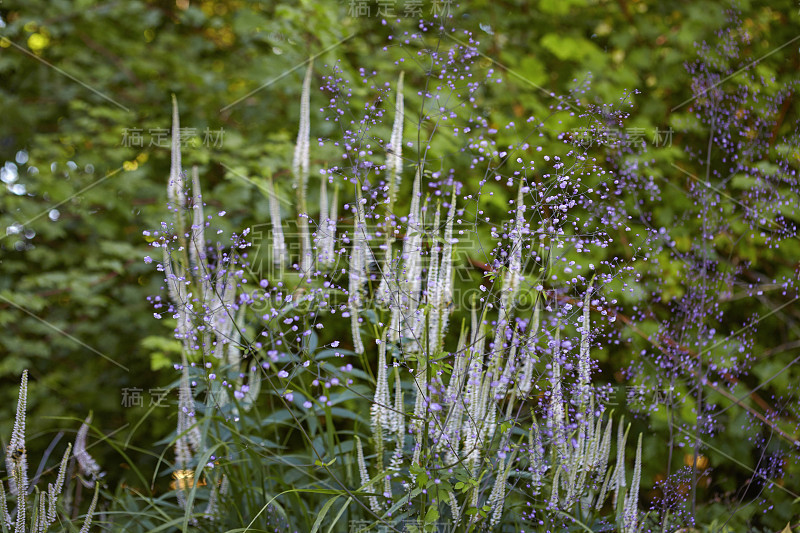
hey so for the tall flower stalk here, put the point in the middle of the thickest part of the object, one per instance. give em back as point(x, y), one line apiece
point(44, 511)
point(300, 165)
point(453, 423)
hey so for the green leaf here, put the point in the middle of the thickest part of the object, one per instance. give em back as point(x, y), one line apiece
point(339, 514)
point(323, 512)
point(159, 360)
point(432, 515)
point(559, 7)
point(568, 48)
point(742, 181)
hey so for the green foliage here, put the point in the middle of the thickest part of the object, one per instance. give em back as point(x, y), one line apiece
point(73, 284)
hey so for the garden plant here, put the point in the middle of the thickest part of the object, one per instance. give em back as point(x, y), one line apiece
point(451, 312)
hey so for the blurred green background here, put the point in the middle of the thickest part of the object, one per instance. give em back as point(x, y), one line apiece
point(85, 104)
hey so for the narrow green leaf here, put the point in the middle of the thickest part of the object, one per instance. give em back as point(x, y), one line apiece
point(323, 512)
